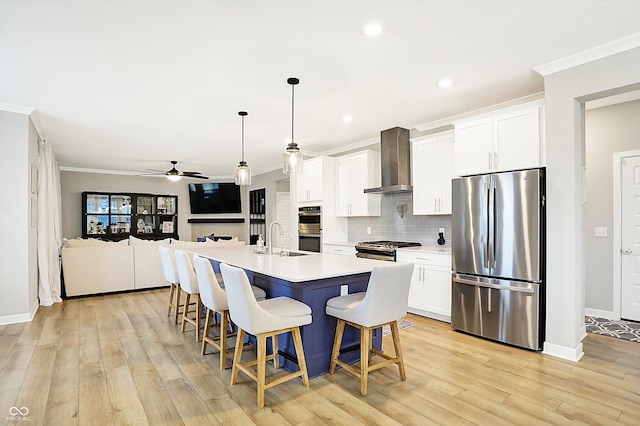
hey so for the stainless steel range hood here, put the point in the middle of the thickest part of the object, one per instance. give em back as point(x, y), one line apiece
point(395, 156)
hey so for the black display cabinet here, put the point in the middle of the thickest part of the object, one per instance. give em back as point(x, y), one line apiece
point(115, 216)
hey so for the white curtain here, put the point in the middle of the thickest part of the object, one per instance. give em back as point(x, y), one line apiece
point(49, 226)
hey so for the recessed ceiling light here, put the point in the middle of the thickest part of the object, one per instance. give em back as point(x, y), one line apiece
point(372, 29)
point(347, 119)
point(445, 82)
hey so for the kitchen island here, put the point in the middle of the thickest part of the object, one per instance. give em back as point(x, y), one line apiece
point(312, 278)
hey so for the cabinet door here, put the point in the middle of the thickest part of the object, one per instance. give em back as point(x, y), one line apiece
point(416, 291)
point(426, 177)
point(517, 139)
point(359, 180)
point(343, 184)
point(474, 147)
point(437, 290)
point(310, 181)
point(447, 172)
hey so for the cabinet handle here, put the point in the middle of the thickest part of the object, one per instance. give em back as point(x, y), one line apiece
point(489, 162)
point(495, 159)
point(435, 204)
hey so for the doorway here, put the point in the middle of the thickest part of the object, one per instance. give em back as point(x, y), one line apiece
point(626, 252)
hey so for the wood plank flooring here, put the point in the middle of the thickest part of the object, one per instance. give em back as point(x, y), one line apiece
point(119, 360)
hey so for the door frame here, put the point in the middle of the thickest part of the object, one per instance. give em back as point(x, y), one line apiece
point(618, 157)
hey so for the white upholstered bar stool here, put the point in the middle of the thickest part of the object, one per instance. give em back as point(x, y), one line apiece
point(170, 270)
point(384, 302)
point(267, 318)
point(189, 285)
point(214, 298)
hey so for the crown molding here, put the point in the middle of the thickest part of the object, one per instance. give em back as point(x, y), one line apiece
point(19, 109)
point(590, 55)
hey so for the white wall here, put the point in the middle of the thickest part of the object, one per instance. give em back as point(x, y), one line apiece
point(565, 93)
point(608, 130)
point(18, 252)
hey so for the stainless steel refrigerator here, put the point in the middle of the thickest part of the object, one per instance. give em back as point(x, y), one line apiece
point(498, 256)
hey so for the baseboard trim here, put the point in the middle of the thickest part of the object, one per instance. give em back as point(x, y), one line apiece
point(570, 354)
point(18, 318)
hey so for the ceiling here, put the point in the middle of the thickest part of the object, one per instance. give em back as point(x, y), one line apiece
point(130, 85)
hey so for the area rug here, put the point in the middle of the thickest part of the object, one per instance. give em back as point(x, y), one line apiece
point(627, 330)
point(402, 325)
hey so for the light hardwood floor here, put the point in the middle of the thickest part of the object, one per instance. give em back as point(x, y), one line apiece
point(119, 360)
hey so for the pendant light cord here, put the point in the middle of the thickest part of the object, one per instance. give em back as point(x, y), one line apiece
point(292, 111)
point(243, 138)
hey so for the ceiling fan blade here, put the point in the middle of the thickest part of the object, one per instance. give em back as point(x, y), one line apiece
point(156, 170)
point(191, 173)
point(197, 176)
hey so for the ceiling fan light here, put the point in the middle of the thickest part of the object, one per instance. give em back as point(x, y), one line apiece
point(243, 174)
point(174, 178)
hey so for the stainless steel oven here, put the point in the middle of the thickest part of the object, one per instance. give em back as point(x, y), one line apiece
point(310, 228)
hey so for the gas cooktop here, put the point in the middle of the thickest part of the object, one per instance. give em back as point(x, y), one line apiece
point(387, 244)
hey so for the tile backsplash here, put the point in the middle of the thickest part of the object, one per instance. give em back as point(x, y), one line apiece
point(390, 226)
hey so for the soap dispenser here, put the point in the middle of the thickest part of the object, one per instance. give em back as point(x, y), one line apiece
point(260, 244)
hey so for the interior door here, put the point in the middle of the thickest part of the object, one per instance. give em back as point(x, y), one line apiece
point(630, 307)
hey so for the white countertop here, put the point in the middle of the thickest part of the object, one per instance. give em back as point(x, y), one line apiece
point(313, 266)
point(342, 243)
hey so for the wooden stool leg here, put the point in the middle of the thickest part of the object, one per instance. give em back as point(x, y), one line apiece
point(177, 304)
point(364, 360)
point(337, 341)
point(198, 317)
point(185, 312)
point(302, 363)
point(237, 355)
point(172, 290)
point(274, 351)
point(207, 328)
point(262, 367)
point(224, 317)
point(395, 333)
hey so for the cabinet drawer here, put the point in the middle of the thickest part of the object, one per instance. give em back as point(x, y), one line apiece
point(339, 249)
point(424, 258)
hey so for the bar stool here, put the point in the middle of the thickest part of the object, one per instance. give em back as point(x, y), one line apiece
point(189, 285)
point(384, 302)
point(214, 298)
point(267, 318)
point(170, 270)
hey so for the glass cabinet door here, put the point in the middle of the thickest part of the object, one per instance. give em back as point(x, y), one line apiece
point(97, 203)
point(167, 205)
point(145, 205)
point(120, 204)
point(120, 224)
point(97, 224)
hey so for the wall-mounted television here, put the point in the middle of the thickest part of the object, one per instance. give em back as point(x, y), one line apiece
point(214, 198)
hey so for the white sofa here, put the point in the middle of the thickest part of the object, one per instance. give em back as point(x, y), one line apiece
point(92, 266)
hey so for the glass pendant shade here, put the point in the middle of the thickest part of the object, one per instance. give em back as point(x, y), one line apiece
point(243, 172)
point(292, 159)
point(292, 155)
point(174, 178)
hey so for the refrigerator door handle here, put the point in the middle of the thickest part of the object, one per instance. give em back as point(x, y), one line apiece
point(491, 248)
point(485, 189)
point(494, 286)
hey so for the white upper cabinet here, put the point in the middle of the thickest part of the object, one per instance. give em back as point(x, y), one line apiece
point(505, 140)
point(310, 181)
point(432, 168)
point(354, 173)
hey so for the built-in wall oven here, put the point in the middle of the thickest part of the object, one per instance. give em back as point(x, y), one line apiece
point(310, 228)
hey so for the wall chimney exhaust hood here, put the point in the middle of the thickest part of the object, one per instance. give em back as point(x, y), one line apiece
point(395, 160)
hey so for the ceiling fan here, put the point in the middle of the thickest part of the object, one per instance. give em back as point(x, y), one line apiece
point(175, 174)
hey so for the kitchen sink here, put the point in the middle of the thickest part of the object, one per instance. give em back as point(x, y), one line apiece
point(285, 253)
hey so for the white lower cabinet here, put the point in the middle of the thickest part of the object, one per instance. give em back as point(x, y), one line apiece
point(430, 291)
point(339, 249)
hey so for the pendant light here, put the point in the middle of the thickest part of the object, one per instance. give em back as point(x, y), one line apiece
point(243, 172)
point(292, 155)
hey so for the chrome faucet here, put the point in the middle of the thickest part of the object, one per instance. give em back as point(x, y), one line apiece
point(270, 235)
